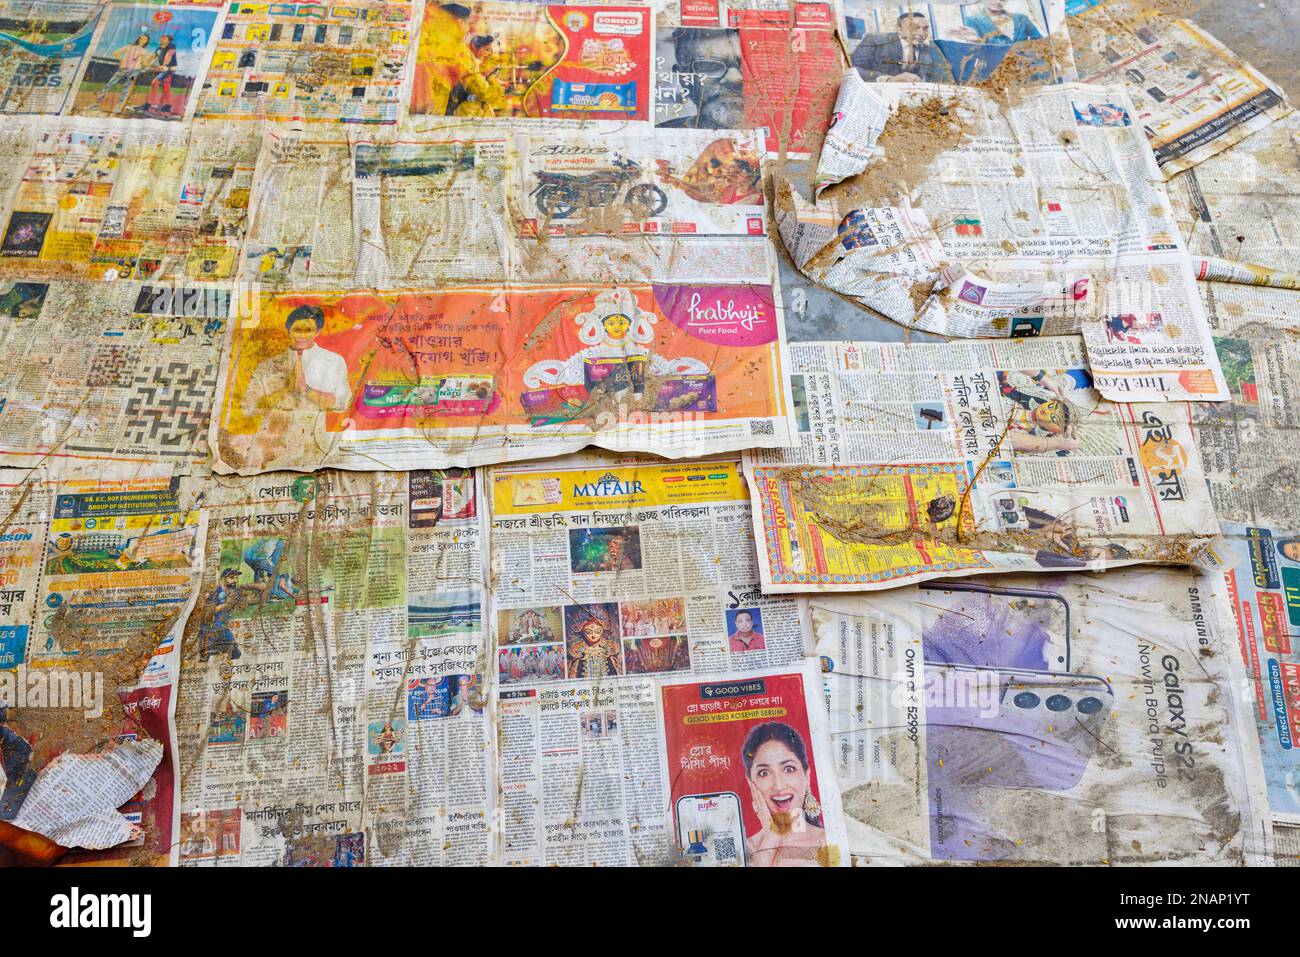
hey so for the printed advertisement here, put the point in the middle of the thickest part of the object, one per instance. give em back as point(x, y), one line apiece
point(1260, 608)
point(147, 63)
point(42, 46)
point(672, 206)
point(492, 58)
point(743, 756)
point(472, 375)
point(750, 65)
point(1038, 720)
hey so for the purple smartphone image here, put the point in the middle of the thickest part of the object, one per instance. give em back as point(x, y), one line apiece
point(1040, 736)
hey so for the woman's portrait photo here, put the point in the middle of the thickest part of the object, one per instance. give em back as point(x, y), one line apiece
point(775, 758)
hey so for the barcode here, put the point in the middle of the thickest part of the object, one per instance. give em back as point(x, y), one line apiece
point(724, 849)
point(761, 427)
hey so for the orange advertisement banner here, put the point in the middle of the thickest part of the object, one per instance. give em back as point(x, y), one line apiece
point(472, 375)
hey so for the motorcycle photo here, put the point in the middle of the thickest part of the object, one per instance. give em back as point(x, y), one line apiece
point(560, 195)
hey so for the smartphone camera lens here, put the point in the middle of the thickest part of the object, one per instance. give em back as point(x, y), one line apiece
point(1058, 702)
point(1026, 700)
point(1089, 706)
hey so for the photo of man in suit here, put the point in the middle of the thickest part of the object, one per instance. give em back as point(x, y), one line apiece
point(906, 55)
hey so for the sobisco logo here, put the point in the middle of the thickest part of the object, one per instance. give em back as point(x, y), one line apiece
point(607, 486)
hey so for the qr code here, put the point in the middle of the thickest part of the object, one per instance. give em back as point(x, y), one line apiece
point(724, 849)
point(761, 427)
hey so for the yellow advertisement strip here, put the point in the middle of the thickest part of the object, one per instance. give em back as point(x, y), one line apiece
point(750, 714)
point(633, 486)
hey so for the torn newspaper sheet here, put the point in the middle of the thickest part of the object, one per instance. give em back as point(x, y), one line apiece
point(956, 41)
point(471, 375)
point(1259, 606)
point(75, 798)
point(96, 580)
point(973, 213)
point(146, 200)
point(105, 378)
point(312, 62)
point(764, 65)
point(333, 705)
point(425, 209)
point(1193, 97)
point(933, 460)
point(43, 44)
point(1038, 720)
point(611, 575)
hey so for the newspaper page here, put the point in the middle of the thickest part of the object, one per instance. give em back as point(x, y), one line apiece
point(764, 65)
point(42, 46)
point(147, 62)
point(471, 375)
point(1259, 605)
point(105, 378)
point(957, 41)
point(939, 460)
point(1247, 445)
point(1194, 97)
point(427, 209)
point(534, 61)
point(336, 211)
point(975, 214)
point(311, 62)
point(612, 575)
point(1242, 206)
point(138, 201)
point(661, 554)
point(1238, 208)
point(334, 710)
point(97, 577)
point(1035, 720)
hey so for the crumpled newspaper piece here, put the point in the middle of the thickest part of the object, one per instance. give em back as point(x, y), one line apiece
point(891, 258)
point(75, 798)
